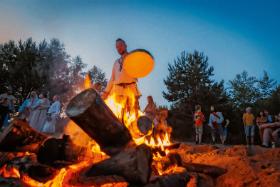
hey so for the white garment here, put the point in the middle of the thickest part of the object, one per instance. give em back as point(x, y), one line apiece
point(118, 76)
point(49, 126)
point(54, 108)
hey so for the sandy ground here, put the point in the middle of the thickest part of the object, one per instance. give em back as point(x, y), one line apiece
point(255, 166)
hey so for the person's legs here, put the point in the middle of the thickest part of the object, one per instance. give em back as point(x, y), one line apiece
point(266, 136)
point(200, 132)
point(246, 130)
point(213, 134)
point(252, 134)
point(196, 135)
point(221, 132)
point(225, 134)
point(275, 136)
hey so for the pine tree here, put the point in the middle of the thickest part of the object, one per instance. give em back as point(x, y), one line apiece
point(243, 90)
point(266, 86)
point(97, 75)
point(189, 83)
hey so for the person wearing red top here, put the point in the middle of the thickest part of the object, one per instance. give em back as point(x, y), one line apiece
point(198, 124)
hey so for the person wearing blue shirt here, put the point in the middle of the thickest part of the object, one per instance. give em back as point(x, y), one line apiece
point(216, 120)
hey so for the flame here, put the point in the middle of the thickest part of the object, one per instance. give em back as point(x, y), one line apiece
point(159, 142)
point(126, 111)
point(129, 115)
point(9, 172)
point(87, 81)
point(59, 179)
point(80, 138)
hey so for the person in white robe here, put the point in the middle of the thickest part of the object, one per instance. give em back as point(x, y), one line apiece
point(53, 116)
point(39, 113)
point(122, 86)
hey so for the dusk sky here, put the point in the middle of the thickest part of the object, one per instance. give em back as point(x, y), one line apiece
point(236, 35)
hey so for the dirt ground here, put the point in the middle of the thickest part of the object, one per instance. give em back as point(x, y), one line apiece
point(255, 166)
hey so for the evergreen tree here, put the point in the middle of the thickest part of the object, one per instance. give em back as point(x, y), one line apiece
point(243, 90)
point(266, 86)
point(189, 83)
point(97, 75)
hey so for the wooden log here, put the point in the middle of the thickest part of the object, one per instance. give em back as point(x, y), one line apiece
point(90, 112)
point(10, 182)
point(98, 181)
point(8, 157)
point(19, 136)
point(63, 152)
point(145, 125)
point(134, 164)
point(212, 171)
point(40, 172)
point(174, 179)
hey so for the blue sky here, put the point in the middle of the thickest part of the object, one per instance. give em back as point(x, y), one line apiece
point(236, 35)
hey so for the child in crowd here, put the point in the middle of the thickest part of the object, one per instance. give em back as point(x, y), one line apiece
point(198, 124)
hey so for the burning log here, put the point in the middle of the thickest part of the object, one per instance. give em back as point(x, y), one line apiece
point(134, 164)
point(19, 136)
point(89, 112)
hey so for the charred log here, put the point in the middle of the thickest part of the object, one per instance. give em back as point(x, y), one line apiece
point(98, 181)
point(145, 125)
point(212, 171)
point(134, 164)
point(89, 111)
point(59, 152)
point(19, 136)
point(10, 182)
point(175, 179)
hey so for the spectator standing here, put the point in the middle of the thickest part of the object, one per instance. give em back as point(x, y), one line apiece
point(198, 124)
point(249, 126)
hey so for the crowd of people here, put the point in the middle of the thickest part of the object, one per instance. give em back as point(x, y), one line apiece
point(217, 124)
point(41, 113)
point(268, 126)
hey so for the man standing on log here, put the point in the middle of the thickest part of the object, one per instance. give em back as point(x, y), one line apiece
point(122, 85)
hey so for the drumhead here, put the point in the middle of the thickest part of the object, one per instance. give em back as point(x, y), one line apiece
point(138, 63)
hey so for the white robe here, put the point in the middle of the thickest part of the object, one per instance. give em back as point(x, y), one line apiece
point(39, 114)
point(53, 112)
point(121, 77)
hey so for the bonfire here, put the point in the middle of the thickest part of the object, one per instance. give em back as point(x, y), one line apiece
point(102, 146)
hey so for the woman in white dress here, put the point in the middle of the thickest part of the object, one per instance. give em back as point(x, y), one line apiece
point(39, 112)
point(53, 115)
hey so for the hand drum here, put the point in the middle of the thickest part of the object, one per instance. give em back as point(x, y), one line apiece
point(138, 63)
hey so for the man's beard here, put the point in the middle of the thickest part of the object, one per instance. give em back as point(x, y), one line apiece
point(123, 52)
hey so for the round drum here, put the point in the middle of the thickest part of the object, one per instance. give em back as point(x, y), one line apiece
point(138, 63)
